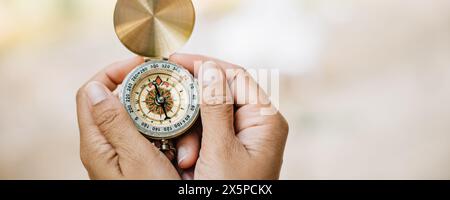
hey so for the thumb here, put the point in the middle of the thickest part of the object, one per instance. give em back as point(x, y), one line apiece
point(135, 154)
point(114, 123)
point(217, 108)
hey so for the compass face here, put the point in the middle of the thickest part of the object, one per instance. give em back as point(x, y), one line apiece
point(161, 98)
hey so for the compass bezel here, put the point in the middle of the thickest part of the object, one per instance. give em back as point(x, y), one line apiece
point(174, 129)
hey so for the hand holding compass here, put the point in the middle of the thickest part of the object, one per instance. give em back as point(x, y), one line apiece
point(113, 145)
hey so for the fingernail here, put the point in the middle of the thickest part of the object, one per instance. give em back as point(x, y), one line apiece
point(210, 73)
point(183, 153)
point(96, 92)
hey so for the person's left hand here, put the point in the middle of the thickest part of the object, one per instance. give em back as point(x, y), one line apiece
point(110, 145)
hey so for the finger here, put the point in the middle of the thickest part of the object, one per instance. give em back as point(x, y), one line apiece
point(216, 107)
point(136, 155)
point(191, 62)
point(95, 151)
point(116, 92)
point(188, 148)
point(244, 89)
point(91, 139)
point(114, 74)
point(112, 119)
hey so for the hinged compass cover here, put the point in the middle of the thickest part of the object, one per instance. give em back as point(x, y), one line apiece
point(154, 28)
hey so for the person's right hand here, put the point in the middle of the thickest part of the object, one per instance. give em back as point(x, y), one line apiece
point(238, 141)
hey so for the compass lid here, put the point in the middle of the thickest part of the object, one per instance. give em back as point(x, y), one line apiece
point(154, 28)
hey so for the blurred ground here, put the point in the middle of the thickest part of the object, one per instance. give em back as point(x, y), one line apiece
point(365, 84)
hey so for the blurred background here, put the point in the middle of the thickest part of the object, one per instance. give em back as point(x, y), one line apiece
point(365, 85)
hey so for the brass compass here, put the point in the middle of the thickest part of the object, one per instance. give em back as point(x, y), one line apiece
point(161, 97)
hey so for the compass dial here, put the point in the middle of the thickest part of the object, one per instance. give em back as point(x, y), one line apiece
point(161, 98)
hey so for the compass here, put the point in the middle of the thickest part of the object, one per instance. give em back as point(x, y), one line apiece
point(162, 98)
